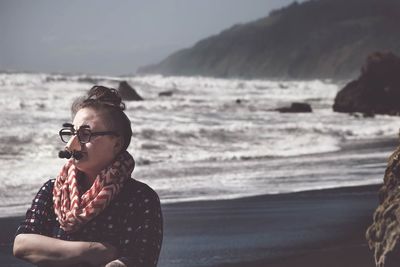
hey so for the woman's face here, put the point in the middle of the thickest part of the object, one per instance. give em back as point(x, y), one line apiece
point(101, 150)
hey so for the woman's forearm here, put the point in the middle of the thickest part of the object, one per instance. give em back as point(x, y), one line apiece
point(46, 251)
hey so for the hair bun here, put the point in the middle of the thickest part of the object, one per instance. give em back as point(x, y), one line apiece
point(106, 96)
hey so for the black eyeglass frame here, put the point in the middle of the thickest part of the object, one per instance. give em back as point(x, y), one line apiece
point(70, 127)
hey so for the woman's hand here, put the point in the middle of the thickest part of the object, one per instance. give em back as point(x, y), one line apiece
point(97, 254)
point(115, 263)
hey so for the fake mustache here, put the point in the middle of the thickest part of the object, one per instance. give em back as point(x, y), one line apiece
point(64, 154)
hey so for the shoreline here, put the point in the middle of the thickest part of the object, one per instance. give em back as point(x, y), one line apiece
point(318, 227)
point(352, 153)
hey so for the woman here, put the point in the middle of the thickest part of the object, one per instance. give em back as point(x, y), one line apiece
point(93, 213)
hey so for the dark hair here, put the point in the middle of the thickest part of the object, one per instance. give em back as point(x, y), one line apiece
point(106, 99)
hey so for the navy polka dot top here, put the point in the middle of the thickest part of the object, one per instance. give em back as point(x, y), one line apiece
point(132, 223)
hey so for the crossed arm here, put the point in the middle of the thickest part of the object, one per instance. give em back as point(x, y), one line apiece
point(141, 245)
point(46, 251)
point(34, 245)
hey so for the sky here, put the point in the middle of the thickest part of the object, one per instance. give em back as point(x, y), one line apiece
point(112, 37)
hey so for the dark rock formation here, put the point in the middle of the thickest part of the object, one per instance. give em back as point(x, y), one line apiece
point(165, 93)
point(127, 92)
point(311, 39)
point(383, 235)
point(88, 79)
point(376, 91)
point(296, 108)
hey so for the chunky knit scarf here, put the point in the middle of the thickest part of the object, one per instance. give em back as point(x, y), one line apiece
point(73, 210)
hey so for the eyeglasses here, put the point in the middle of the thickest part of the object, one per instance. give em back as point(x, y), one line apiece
point(84, 133)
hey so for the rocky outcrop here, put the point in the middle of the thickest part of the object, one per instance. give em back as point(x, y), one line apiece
point(383, 235)
point(165, 93)
point(307, 40)
point(296, 108)
point(127, 92)
point(376, 91)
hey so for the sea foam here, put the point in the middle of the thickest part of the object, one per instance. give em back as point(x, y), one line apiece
point(211, 139)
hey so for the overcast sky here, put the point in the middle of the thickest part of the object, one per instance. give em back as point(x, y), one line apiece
point(111, 36)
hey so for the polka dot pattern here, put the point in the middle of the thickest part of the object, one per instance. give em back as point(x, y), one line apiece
point(132, 223)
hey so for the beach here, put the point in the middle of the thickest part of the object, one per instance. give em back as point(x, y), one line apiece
point(315, 228)
point(240, 185)
point(312, 228)
point(324, 227)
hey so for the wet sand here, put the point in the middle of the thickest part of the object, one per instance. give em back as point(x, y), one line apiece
point(314, 228)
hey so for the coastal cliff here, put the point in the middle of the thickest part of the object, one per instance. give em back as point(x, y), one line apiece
point(313, 39)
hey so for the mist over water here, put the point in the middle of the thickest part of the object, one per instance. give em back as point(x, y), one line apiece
point(212, 139)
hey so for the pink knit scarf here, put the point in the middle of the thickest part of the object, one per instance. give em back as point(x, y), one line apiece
point(73, 210)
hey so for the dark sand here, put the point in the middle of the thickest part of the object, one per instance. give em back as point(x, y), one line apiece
point(315, 228)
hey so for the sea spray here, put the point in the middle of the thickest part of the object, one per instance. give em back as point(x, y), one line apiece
point(211, 139)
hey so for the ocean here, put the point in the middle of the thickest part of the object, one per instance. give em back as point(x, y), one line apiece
point(212, 139)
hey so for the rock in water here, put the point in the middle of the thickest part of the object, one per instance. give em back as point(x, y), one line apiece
point(296, 108)
point(376, 91)
point(383, 235)
point(127, 92)
point(165, 93)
